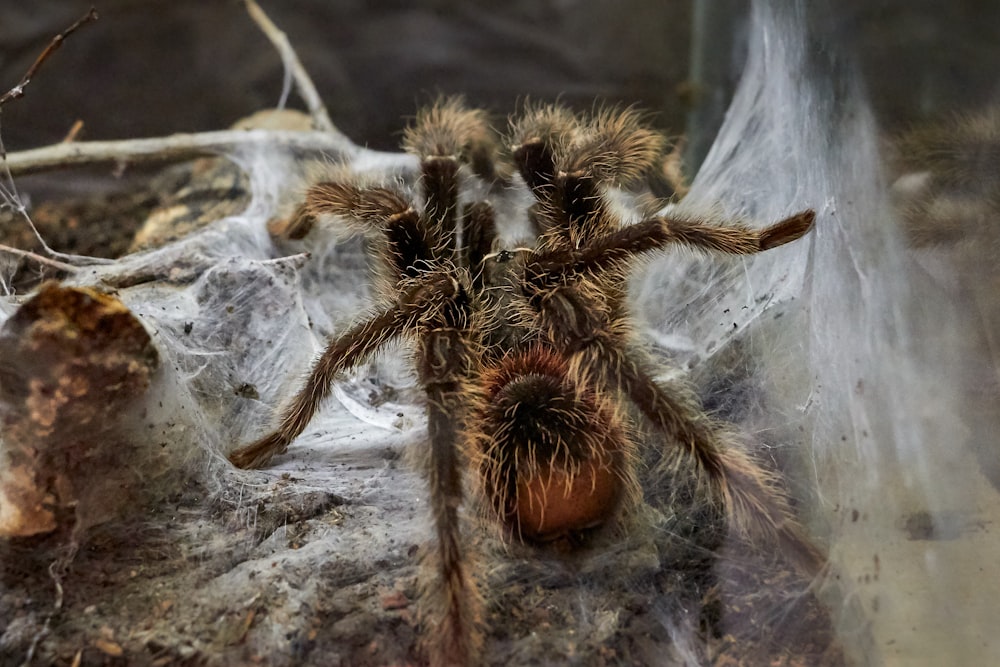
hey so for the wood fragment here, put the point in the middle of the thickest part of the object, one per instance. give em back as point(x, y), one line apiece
point(76, 363)
point(175, 148)
point(34, 257)
point(114, 649)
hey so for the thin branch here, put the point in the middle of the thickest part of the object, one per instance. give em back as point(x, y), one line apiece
point(27, 254)
point(9, 197)
point(297, 260)
point(15, 93)
point(74, 131)
point(303, 83)
point(174, 148)
point(57, 41)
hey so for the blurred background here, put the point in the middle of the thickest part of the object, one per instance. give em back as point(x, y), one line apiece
point(154, 67)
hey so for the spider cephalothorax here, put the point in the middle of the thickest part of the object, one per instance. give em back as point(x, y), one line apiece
point(535, 388)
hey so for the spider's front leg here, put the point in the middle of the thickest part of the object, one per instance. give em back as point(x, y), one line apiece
point(447, 351)
point(405, 241)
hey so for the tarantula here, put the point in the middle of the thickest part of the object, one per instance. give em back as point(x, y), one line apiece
point(534, 385)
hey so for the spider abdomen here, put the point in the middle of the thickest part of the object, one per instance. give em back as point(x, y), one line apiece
point(557, 502)
point(553, 453)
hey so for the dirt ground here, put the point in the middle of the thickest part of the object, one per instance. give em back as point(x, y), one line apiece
point(315, 561)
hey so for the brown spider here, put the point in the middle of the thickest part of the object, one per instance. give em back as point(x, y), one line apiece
point(533, 381)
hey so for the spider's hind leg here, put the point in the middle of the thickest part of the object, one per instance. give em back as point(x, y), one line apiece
point(575, 315)
point(755, 505)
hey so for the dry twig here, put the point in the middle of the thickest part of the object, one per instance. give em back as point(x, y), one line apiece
point(57, 41)
point(45, 261)
point(16, 93)
point(304, 84)
point(327, 141)
point(175, 148)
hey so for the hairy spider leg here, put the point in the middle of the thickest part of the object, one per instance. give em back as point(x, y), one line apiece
point(423, 278)
point(405, 241)
point(451, 609)
point(755, 506)
point(573, 285)
point(615, 250)
point(479, 229)
point(445, 136)
point(342, 353)
point(574, 318)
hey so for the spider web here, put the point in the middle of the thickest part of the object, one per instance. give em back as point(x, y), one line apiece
point(868, 369)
